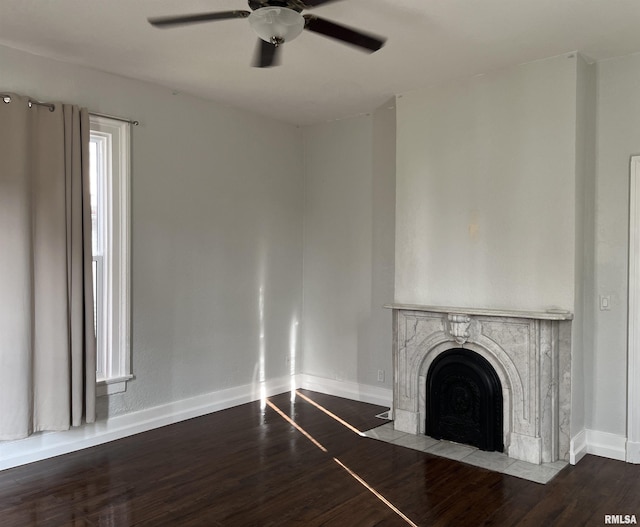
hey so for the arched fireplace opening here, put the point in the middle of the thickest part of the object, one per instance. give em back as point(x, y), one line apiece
point(464, 400)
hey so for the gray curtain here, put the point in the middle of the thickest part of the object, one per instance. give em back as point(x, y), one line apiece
point(47, 340)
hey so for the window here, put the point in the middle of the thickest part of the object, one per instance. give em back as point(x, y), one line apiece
point(109, 174)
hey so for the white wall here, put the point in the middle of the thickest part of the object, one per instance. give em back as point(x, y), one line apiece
point(582, 327)
point(486, 190)
point(383, 249)
point(216, 226)
point(348, 248)
point(618, 138)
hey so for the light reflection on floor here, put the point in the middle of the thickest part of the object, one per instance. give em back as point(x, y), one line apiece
point(342, 465)
point(295, 425)
point(330, 414)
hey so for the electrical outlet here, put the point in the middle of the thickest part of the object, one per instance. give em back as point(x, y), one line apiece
point(380, 375)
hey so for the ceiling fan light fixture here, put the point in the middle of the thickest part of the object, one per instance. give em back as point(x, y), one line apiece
point(276, 24)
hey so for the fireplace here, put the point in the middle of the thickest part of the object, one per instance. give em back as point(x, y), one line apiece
point(464, 400)
point(520, 361)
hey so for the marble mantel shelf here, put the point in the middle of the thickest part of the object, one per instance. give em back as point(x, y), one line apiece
point(535, 315)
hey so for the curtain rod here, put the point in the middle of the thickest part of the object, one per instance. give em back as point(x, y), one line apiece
point(123, 119)
point(6, 97)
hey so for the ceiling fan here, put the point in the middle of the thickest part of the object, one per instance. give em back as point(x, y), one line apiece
point(277, 22)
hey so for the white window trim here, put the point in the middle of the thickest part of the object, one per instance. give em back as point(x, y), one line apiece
point(116, 285)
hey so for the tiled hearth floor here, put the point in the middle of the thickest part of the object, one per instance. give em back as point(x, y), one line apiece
point(467, 454)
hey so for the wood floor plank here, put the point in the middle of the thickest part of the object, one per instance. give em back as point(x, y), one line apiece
point(249, 466)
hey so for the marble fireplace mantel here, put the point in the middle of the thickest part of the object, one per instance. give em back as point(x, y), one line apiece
point(530, 352)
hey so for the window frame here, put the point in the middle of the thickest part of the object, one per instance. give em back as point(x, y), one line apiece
point(112, 139)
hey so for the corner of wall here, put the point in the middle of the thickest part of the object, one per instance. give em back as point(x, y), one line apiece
point(584, 257)
point(350, 390)
point(578, 447)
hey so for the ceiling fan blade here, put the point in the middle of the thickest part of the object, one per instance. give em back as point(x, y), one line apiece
point(169, 21)
point(315, 3)
point(267, 55)
point(345, 34)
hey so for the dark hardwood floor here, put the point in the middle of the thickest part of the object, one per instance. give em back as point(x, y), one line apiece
point(251, 467)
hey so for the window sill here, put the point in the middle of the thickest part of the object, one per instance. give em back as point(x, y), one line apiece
point(113, 385)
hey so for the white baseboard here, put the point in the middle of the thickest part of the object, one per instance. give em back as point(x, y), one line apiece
point(50, 444)
point(45, 445)
point(606, 445)
point(633, 452)
point(578, 447)
point(350, 390)
point(602, 444)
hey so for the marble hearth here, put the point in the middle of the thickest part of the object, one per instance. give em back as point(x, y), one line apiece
point(529, 351)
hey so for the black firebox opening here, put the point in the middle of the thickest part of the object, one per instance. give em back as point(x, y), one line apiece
point(464, 400)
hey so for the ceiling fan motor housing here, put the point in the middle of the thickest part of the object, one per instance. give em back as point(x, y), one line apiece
point(275, 24)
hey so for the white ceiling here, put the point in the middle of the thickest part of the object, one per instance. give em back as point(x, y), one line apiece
point(429, 41)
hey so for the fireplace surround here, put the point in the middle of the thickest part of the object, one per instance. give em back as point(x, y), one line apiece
point(530, 353)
